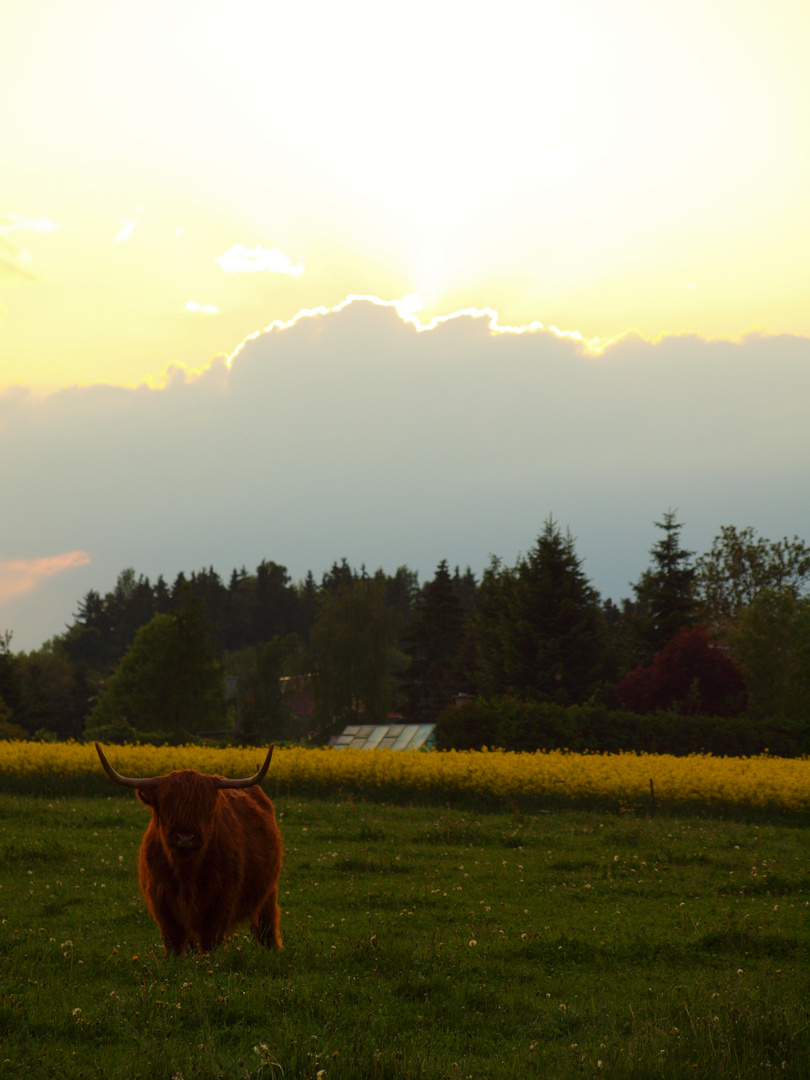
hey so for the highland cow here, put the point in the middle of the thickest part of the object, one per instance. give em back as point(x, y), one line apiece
point(210, 857)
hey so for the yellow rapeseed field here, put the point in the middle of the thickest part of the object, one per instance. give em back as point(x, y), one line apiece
point(760, 782)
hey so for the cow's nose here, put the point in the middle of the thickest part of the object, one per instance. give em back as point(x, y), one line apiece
point(186, 840)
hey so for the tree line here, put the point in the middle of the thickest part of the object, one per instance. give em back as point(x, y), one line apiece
point(725, 634)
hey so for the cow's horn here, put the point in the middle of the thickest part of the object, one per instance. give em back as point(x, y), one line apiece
point(126, 781)
point(249, 781)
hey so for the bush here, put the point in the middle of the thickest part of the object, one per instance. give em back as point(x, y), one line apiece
point(120, 733)
point(514, 725)
point(11, 731)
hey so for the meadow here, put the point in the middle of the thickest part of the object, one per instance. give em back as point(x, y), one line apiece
point(421, 940)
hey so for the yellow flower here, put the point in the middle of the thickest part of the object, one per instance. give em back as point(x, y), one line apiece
point(781, 783)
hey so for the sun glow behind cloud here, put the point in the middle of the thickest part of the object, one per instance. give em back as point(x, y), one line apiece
point(448, 118)
point(579, 163)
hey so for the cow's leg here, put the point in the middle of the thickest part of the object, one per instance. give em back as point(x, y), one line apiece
point(174, 946)
point(209, 938)
point(175, 938)
point(213, 923)
point(265, 922)
point(173, 935)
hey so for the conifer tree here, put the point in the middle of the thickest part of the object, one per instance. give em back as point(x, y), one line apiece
point(539, 626)
point(665, 594)
point(275, 602)
point(307, 606)
point(352, 642)
point(433, 642)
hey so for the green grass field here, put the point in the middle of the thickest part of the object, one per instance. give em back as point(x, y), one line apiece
point(419, 942)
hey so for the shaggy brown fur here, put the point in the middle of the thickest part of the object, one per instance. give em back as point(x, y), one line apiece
point(210, 858)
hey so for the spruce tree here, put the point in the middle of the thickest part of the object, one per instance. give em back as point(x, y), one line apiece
point(276, 601)
point(307, 606)
point(665, 594)
point(433, 642)
point(352, 644)
point(540, 634)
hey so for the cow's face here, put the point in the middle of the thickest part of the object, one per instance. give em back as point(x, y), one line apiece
point(184, 805)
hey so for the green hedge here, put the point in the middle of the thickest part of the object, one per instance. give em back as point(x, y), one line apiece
point(515, 725)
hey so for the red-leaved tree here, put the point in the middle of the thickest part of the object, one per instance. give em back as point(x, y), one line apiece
point(691, 674)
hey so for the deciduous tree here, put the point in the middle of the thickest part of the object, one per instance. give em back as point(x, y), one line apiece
point(770, 639)
point(261, 714)
point(168, 681)
point(741, 564)
point(56, 693)
point(10, 679)
point(690, 675)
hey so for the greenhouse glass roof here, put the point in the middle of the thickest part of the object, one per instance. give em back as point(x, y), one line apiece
point(386, 737)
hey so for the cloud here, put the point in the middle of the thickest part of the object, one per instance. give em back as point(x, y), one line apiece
point(13, 256)
point(21, 576)
point(12, 265)
point(242, 260)
point(128, 226)
point(16, 223)
point(354, 432)
point(16, 255)
point(200, 309)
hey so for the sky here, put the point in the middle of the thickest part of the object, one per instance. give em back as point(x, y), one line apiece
point(395, 282)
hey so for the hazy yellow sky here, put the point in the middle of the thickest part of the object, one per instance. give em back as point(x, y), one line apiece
point(175, 175)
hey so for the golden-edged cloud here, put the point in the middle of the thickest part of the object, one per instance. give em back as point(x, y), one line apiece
point(451, 438)
point(408, 309)
point(21, 576)
point(239, 259)
point(554, 190)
